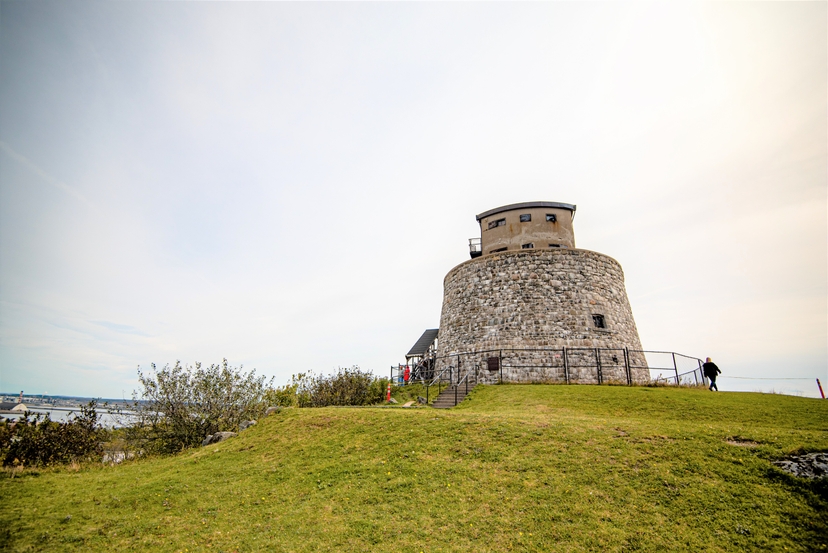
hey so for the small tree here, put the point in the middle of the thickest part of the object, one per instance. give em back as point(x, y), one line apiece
point(41, 441)
point(179, 406)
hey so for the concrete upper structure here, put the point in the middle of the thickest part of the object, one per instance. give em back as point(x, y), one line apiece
point(527, 225)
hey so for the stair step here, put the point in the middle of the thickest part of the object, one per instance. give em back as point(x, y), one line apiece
point(446, 399)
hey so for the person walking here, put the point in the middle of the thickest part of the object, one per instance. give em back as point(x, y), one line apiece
point(711, 371)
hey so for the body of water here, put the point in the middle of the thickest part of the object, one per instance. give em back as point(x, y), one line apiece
point(63, 414)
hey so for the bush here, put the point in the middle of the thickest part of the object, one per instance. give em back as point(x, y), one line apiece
point(347, 387)
point(284, 396)
point(42, 441)
point(179, 406)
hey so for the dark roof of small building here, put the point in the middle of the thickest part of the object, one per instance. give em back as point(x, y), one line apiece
point(526, 205)
point(6, 406)
point(423, 343)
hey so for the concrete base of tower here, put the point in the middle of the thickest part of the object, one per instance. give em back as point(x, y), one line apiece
point(529, 304)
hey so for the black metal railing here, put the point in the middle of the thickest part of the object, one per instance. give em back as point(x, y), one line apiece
point(568, 365)
point(463, 384)
point(441, 380)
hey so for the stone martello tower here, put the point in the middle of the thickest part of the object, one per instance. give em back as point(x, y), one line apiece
point(528, 289)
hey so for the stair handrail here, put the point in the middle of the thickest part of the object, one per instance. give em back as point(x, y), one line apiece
point(457, 387)
point(438, 379)
point(439, 375)
point(462, 384)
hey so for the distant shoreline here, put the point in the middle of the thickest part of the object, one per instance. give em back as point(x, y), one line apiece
point(83, 399)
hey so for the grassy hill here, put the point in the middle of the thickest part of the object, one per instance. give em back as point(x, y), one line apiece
point(525, 468)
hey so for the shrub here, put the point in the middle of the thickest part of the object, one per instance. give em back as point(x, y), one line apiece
point(179, 406)
point(42, 441)
point(347, 387)
point(284, 396)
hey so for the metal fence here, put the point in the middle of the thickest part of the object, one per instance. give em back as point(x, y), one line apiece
point(674, 368)
point(577, 365)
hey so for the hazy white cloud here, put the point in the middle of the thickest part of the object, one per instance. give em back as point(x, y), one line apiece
point(43, 174)
point(286, 184)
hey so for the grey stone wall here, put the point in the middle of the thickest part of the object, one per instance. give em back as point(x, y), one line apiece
point(522, 301)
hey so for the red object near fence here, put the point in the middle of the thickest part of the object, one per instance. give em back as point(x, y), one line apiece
point(388, 393)
point(407, 374)
point(820, 389)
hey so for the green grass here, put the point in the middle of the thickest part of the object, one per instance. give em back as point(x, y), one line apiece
point(524, 468)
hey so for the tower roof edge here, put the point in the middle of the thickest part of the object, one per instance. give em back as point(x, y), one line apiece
point(526, 205)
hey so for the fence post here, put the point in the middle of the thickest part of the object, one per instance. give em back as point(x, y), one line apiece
point(566, 366)
point(627, 365)
point(675, 367)
point(701, 372)
point(598, 366)
point(500, 364)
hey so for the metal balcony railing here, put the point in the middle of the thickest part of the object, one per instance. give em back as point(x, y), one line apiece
point(475, 247)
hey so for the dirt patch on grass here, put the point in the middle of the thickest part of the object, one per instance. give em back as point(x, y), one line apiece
point(321, 422)
point(742, 442)
point(648, 439)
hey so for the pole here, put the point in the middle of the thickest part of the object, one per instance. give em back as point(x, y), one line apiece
point(627, 365)
point(566, 366)
point(598, 366)
point(820, 389)
point(500, 364)
point(675, 367)
point(701, 372)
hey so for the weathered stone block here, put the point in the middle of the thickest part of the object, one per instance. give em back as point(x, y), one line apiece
point(513, 308)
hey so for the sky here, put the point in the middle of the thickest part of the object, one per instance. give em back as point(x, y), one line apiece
point(285, 185)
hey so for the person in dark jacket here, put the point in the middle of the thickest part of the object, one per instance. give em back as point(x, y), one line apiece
point(711, 371)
